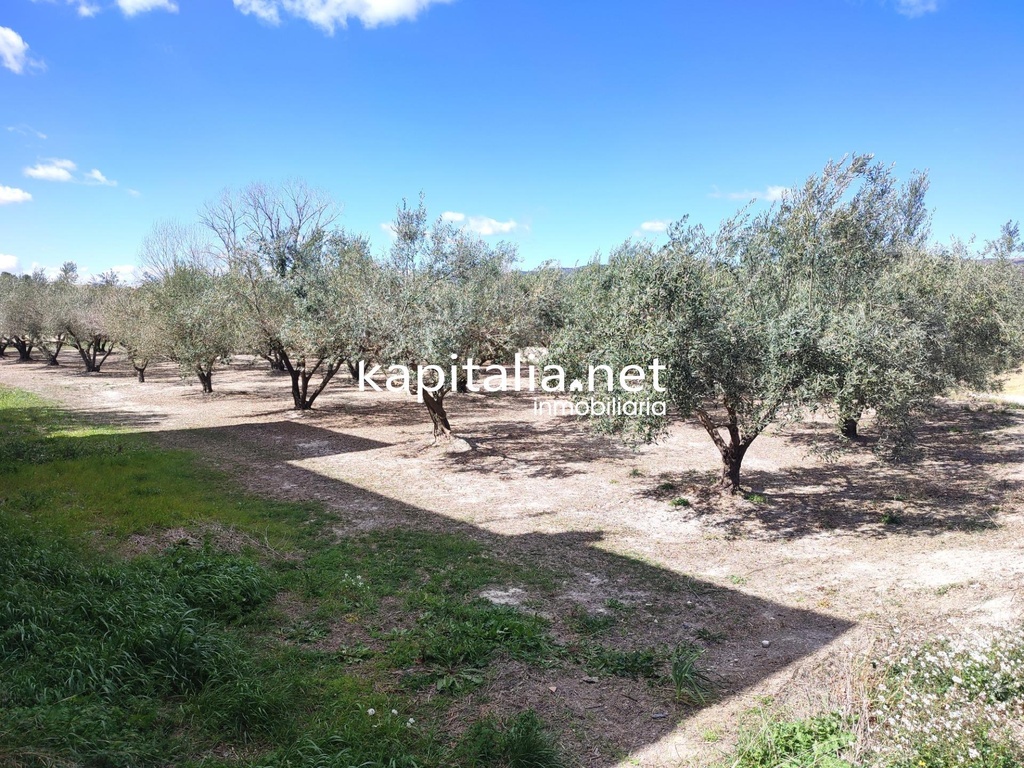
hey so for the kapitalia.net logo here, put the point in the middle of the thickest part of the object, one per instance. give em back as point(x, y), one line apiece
point(429, 380)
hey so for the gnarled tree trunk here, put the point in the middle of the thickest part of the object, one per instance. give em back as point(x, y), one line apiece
point(302, 397)
point(94, 351)
point(24, 346)
point(205, 374)
point(51, 356)
point(438, 415)
point(276, 362)
point(732, 452)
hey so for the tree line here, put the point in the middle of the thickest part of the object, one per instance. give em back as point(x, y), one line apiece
point(833, 300)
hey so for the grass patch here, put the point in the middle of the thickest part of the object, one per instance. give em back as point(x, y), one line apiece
point(771, 740)
point(171, 657)
point(174, 656)
point(79, 479)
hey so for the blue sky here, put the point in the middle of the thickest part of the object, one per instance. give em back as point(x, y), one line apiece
point(561, 125)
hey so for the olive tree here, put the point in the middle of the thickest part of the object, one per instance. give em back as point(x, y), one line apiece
point(267, 226)
point(191, 305)
point(796, 308)
point(58, 301)
point(449, 297)
point(84, 322)
point(131, 315)
point(308, 308)
point(22, 316)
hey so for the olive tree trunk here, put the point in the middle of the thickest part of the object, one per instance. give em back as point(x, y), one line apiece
point(438, 416)
point(732, 450)
point(302, 397)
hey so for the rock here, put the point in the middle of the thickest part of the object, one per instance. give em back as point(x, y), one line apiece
point(590, 680)
point(765, 643)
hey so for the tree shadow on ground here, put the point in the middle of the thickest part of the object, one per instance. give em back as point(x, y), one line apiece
point(598, 717)
point(968, 467)
point(555, 449)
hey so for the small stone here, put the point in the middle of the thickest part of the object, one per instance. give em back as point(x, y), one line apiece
point(552, 688)
point(689, 603)
point(765, 643)
point(659, 715)
point(590, 680)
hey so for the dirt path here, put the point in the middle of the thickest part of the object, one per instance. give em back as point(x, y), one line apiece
point(839, 552)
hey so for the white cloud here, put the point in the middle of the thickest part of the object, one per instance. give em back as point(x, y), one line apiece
point(14, 52)
point(264, 10)
point(654, 226)
point(484, 225)
point(10, 195)
point(51, 170)
point(914, 8)
point(56, 169)
point(389, 229)
point(330, 14)
point(26, 130)
point(8, 263)
point(95, 177)
point(85, 9)
point(133, 7)
point(134, 193)
point(772, 194)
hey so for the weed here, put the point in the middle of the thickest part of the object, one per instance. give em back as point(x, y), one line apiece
point(643, 663)
point(680, 502)
point(756, 498)
point(520, 743)
point(710, 636)
point(889, 517)
point(692, 685)
point(585, 623)
point(769, 740)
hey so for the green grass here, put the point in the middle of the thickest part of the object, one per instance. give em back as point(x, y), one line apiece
point(771, 740)
point(79, 478)
point(174, 656)
point(692, 685)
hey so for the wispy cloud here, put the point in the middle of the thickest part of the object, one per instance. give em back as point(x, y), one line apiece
point(482, 225)
point(95, 177)
point(9, 263)
point(654, 226)
point(14, 52)
point(84, 8)
point(52, 170)
point(9, 195)
point(133, 7)
point(914, 8)
point(26, 130)
point(56, 169)
point(771, 194)
point(134, 193)
point(331, 14)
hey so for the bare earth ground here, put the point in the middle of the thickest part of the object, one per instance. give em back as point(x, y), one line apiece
point(840, 553)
